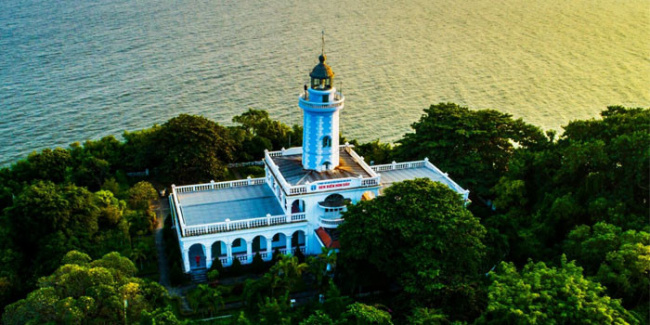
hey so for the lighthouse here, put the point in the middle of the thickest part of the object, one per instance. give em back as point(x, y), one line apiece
point(321, 104)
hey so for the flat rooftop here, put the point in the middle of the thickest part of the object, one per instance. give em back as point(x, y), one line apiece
point(388, 177)
point(236, 203)
point(294, 174)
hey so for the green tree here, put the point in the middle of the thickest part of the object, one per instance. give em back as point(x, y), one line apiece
point(318, 318)
point(426, 316)
point(141, 194)
point(420, 235)
point(362, 314)
point(193, 149)
point(275, 311)
point(160, 316)
point(261, 129)
point(376, 152)
point(474, 147)
point(87, 293)
point(549, 295)
point(595, 172)
point(205, 298)
point(48, 165)
point(285, 274)
point(241, 319)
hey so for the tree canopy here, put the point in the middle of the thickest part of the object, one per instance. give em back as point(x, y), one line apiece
point(474, 147)
point(418, 234)
point(539, 294)
point(88, 292)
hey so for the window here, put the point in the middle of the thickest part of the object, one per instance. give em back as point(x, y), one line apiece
point(238, 242)
point(326, 98)
point(327, 142)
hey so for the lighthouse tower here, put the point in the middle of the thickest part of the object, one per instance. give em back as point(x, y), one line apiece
point(321, 105)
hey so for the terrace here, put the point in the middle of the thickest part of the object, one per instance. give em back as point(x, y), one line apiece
point(228, 206)
point(398, 172)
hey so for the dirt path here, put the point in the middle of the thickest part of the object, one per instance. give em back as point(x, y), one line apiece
point(162, 210)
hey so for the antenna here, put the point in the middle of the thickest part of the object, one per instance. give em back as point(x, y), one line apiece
point(323, 44)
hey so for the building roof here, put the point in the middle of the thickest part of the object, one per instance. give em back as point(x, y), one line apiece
point(329, 237)
point(322, 70)
point(388, 177)
point(292, 170)
point(235, 203)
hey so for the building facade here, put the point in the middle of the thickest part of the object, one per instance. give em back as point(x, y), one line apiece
point(298, 204)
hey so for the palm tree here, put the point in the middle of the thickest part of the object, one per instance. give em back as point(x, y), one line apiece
point(139, 253)
point(206, 298)
point(286, 272)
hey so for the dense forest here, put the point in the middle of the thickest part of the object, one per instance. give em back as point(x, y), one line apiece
point(557, 231)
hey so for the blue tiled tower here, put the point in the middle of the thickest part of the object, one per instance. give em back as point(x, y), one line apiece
point(321, 105)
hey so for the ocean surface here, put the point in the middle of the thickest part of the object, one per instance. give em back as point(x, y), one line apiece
point(81, 69)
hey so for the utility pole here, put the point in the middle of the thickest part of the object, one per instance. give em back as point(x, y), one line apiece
point(126, 304)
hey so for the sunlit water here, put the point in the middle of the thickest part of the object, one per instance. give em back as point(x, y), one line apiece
point(82, 69)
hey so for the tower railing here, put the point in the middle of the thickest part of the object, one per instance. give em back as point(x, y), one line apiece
point(423, 164)
point(305, 103)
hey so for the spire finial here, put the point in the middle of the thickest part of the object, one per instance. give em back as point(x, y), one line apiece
point(322, 51)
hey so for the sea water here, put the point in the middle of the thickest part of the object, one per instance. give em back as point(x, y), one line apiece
point(82, 69)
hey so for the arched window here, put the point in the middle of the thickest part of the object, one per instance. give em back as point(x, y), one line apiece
point(326, 165)
point(327, 142)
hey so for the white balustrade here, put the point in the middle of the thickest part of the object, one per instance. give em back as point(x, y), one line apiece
point(426, 164)
point(359, 160)
point(243, 258)
point(330, 223)
point(298, 217)
point(338, 101)
point(219, 185)
point(235, 225)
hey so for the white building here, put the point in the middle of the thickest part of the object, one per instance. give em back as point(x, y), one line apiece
point(297, 205)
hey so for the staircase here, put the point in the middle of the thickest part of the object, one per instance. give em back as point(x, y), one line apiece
point(199, 275)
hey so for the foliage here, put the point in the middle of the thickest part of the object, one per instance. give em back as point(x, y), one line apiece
point(241, 319)
point(283, 276)
point(87, 292)
point(375, 152)
point(213, 275)
point(48, 165)
point(362, 314)
point(474, 147)
point(595, 172)
point(205, 298)
point(274, 311)
point(261, 132)
point(426, 316)
point(619, 260)
point(160, 316)
point(47, 220)
point(258, 266)
point(321, 267)
point(141, 194)
point(541, 295)
point(192, 149)
point(318, 318)
point(420, 235)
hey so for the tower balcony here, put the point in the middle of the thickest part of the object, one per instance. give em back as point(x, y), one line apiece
point(326, 222)
point(305, 102)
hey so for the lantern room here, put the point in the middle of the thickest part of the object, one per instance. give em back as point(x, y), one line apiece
point(322, 75)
